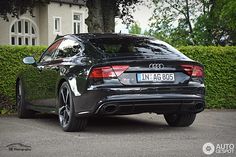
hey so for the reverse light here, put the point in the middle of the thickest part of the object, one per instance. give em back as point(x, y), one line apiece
point(108, 71)
point(193, 70)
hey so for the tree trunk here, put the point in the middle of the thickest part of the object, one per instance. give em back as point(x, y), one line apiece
point(101, 16)
point(188, 17)
point(109, 14)
point(189, 22)
point(95, 18)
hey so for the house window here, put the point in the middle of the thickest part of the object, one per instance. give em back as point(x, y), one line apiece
point(26, 41)
point(57, 25)
point(23, 32)
point(26, 27)
point(77, 23)
point(19, 26)
point(20, 41)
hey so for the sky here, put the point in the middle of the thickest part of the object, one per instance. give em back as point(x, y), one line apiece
point(141, 16)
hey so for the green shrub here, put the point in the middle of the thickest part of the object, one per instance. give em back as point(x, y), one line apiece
point(219, 62)
point(220, 73)
point(10, 64)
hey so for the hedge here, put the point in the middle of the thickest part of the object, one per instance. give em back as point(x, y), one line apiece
point(10, 64)
point(219, 62)
point(220, 73)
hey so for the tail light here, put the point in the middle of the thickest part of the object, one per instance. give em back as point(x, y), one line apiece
point(108, 71)
point(193, 70)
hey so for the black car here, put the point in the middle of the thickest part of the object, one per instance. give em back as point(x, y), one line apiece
point(84, 75)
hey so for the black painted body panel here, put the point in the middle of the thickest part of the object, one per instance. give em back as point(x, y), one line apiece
point(42, 82)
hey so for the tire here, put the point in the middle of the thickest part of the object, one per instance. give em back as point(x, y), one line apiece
point(67, 119)
point(21, 104)
point(180, 120)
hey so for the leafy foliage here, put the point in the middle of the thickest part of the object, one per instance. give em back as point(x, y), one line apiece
point(222, 22)
point(220, 70)
point(174, 19)
point(11, 63)
point(135, 29)
point(219, 62)
point(126, 8)
point(18, 7)
point(195, 22)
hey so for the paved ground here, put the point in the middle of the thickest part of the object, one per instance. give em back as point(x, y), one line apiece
point(123, 136)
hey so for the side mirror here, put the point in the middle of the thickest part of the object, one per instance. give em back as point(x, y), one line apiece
point(29, 60)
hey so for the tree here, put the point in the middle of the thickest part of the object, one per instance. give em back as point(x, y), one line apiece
point(175, 17)
point(101, 17)
point(135, 28)
point(221, 21)
point(195, 22)
point(102, 13)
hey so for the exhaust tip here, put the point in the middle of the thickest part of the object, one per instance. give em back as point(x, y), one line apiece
point(109, 109)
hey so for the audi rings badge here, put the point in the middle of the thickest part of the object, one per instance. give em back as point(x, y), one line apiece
point(156, 66)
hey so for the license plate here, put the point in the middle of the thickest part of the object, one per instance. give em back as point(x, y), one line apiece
point(156, 77)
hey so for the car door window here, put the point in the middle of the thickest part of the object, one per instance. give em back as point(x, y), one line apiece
point(68, 48)
point(48, 54)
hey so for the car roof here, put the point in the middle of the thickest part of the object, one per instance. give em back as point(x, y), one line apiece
point(89, 36)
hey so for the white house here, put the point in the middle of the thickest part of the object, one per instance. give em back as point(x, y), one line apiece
point(56, 18)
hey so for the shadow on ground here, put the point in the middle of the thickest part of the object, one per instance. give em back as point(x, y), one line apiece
point(114, 124)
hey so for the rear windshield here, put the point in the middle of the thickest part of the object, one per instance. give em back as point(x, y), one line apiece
point(136, 46)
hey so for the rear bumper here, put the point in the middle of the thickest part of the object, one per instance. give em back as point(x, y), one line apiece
point(110, 102)
point(157, 104)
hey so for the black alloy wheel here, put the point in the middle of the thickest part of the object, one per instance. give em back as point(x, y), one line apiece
point(68, 120)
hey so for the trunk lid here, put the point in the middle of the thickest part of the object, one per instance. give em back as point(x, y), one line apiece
point(151, 72)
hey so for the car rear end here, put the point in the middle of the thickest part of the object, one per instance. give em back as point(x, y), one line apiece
point(149, 77)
